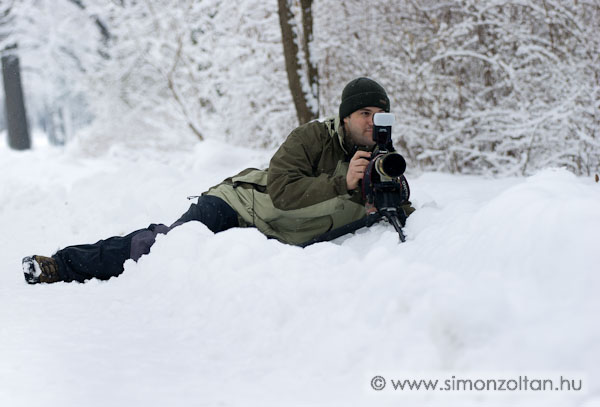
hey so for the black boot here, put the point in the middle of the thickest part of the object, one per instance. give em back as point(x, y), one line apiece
point(40, 269)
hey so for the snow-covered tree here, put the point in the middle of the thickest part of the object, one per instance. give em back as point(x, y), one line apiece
point(181, 71)
point(495, 86)
point(301, 68)
point(58, 47)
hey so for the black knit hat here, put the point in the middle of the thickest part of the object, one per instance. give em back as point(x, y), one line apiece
point(363, 92)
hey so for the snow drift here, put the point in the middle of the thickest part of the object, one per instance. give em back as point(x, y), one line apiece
point(497, 275)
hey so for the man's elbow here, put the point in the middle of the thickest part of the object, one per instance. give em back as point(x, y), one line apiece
point(278, 197)
point(282, 202)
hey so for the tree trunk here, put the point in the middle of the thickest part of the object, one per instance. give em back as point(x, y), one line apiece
point(311, 66)
point(293, 63)
point(16, 118)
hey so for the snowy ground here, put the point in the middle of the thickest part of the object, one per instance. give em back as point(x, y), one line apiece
point(498, 278)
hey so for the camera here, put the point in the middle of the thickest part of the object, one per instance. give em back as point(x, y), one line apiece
point(386, 167)
point(387, 162)
point(384, 187)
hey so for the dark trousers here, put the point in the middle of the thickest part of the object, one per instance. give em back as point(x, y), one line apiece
point(104, 259)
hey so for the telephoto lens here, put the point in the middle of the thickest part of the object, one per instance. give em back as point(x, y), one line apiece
point(390, 165)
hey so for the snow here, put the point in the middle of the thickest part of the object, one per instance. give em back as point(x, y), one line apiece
point(497, 275)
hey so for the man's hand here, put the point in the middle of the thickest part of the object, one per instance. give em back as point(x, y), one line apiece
point(356, 169)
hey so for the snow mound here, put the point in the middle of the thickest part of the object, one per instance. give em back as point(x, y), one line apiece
point(497, 275)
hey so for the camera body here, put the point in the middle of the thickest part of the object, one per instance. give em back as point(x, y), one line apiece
point(384, 186)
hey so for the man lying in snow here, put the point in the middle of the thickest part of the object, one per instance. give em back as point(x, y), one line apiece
point(310, 187)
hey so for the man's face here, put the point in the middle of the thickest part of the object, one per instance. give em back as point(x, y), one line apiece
point(359, 125)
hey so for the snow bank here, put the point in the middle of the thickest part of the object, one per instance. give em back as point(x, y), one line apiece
point(498, 277)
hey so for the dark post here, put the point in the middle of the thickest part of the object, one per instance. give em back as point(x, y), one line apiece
point(16, 118)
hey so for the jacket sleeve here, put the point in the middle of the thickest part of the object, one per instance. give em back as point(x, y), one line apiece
point(294, 180)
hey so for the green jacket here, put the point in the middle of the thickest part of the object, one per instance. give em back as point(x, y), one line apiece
point(303, 192)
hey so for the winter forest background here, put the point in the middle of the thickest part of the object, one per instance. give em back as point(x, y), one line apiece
point(484, 87)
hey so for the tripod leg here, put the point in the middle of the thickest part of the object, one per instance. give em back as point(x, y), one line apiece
point(393, 219)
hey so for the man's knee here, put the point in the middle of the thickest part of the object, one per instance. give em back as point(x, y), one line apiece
point(212, 211)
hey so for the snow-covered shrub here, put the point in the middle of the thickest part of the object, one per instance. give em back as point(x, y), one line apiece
point(478, 87)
